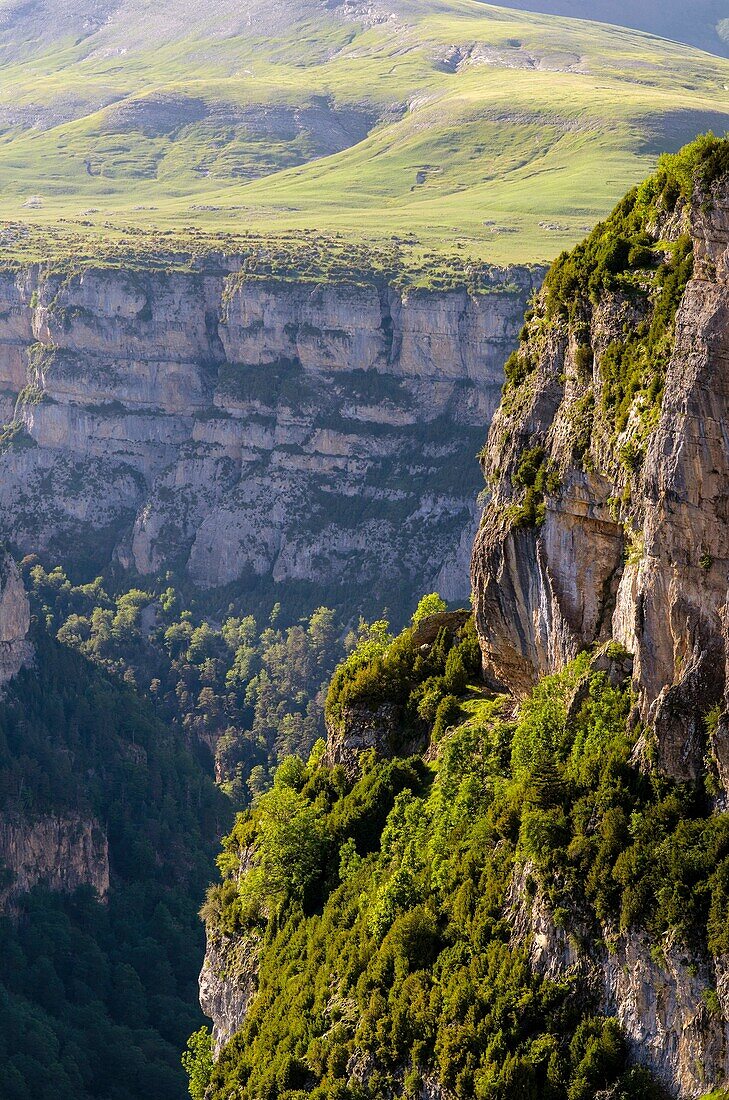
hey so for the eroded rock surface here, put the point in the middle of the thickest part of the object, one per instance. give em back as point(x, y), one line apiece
point(242, 428)
point(59, 852)
point(15, 648)
point(657, 992)
point(631, 547)
point(358, 730)
point(228, 983)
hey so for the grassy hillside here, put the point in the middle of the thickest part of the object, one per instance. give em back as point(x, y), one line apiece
point(448, 123)
point(702, 23)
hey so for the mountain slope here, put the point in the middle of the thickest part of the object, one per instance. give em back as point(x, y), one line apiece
point(451, 120)
point(697, 24)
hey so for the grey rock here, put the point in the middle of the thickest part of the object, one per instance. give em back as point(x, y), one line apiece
point(249, 428)
point(656, 992)
point(228, 983)
point(358, 730)
point(16, 651)
point(654, 578)
point(60, 852)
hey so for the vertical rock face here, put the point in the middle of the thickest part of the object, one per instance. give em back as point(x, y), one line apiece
point(243, 428)
point(60, 853)
point(228, 983)
point(657, 995)
point(633, 540)
point(15, 649)
point(608, 521)
point(357, 730)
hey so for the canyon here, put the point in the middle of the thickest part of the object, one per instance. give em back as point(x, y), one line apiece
point(251, 431)
point(601, 554)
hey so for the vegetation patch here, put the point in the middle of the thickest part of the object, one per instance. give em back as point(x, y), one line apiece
point(388, 956)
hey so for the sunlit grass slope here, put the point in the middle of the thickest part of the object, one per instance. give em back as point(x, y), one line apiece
point(449, 123)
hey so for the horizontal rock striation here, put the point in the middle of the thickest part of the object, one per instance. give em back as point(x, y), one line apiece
point(240, 428)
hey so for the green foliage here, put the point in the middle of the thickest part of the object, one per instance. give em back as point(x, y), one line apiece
point(197, 1062)
point(584, 357)
point(518, 367)
point(96, 998)
point(415, 681)
point(289, 845)
point(535, 475)
point(401, 960)
point(257, 690)
point(636, 367)
point(447, 714)
point(429, 605)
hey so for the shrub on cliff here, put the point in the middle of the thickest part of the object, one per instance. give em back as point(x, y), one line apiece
point(406, 959)
point(414, 680)
point(404, 967)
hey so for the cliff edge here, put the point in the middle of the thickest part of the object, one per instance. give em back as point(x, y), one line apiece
point(608, 462)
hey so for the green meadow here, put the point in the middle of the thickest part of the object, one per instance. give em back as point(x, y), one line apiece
point(452, 125)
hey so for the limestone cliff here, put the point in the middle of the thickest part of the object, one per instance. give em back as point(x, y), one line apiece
point(228, 983)
point(607, 530)
point(656, 991)
point(15, 648)
point(59, 852)
point(240, 428)
point(608, 465)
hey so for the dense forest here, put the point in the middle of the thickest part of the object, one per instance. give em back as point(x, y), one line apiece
point(96, 997)
point(132, 703)
point(388, 954)
point(252, 692)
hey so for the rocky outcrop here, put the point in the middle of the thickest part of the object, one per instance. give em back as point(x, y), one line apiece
point(228, 983)
point(628, 534)
point(61, 853)
point(243, 428)
point(428, 628)
point(359, 729)
point(607, 527)
point(672, 1007)
point(15, 649)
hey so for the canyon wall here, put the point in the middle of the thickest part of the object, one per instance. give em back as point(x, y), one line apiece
point(241, 429)
point(60, 853)
point(633, 539)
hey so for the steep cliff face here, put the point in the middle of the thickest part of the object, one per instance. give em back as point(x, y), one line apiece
point(60, 853)
point(657, 992)
point(228, 983)
point(241, 428)
point(608, 464)
point(15, 648)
